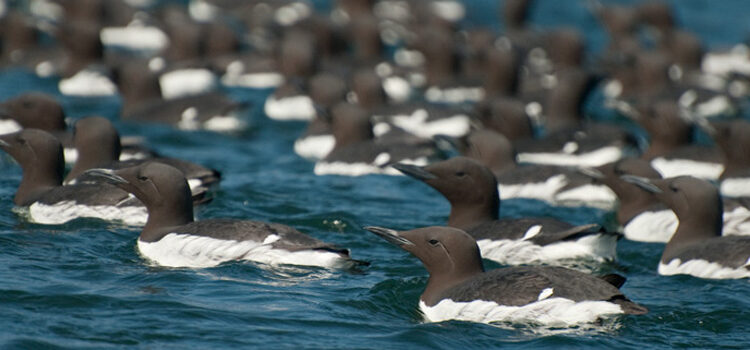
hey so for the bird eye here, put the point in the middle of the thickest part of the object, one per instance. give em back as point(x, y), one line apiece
point(433, 242)
point(674, 189)
point(460, 174)
point(142, 178)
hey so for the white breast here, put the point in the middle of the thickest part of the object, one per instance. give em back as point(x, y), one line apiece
point(135, 37)
point(597, 196)
point(703, 269)
point(62, 212)
point(735, 187)
point(552, 311)
point(235, 76)
point(594, 158)
point(315, 146)
point(184, 250)
point(8, 126)
point(225, 123)
point(187, 82)
point(652, 226)
point(360, 169)
point(680, 167)
point(454, 95)
point(289, 108)
point(737, 222)
point(417, 124)
point(537, 190)
point(87, 83)
point(598, 247)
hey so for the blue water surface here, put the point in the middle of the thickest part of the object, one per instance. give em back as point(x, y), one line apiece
point(83, 285)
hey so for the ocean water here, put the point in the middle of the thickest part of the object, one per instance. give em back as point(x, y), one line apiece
point(83, 284)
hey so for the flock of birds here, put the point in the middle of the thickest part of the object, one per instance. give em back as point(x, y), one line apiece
point(391, 87)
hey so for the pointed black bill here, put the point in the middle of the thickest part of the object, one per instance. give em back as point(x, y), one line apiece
point(389, 235)
point(591, 172)
point(414, 171)
point(641, 182)
point(107, 174)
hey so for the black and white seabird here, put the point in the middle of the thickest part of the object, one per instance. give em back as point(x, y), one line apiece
point(98, 145)
point(643, 216)
point(31, 110)
point(172, 238)
point(460, 289)
point(553, 184)
point(358, 152)
point(672, 151)
point(475, 206)
point(42, 111)
point(697, 247)
point(41, 158)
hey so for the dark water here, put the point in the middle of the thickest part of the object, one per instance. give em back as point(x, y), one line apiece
point(83, 285)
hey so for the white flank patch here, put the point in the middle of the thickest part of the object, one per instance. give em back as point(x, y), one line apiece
point(595, 158)
point(454, 95)
point(559, 312)
point(44, 69)
point(409, 58)
point(652, 226)
point(417, 124)
point(515, 252)
point(289, 108)
point(65, 211)
point(138, 155)
point(314, 147)
point(194, 183)
point(716, 106)
point(537, 190)
point(452, 11)
point(9, 126)
point(397, 88)
point(135, 37)
point(546, 293)
point(735, 187)
point(225, 123)
point(189, 119)
point(703, 269)
point(87, 83)
point(263, 80)
point(532, 232)
point(381, 129)
point(736, 60)
point(613, 89)
point(681, 167)
point(360, 169)
point(737, 222)
point(70, 155)
point(184, 250)
point(596, 196)
point(186, 82)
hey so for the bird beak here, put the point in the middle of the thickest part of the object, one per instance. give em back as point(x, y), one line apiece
point(642, 182)
point(414, 171)
point(107, 174)
point(389, 235)
point(591, 172)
